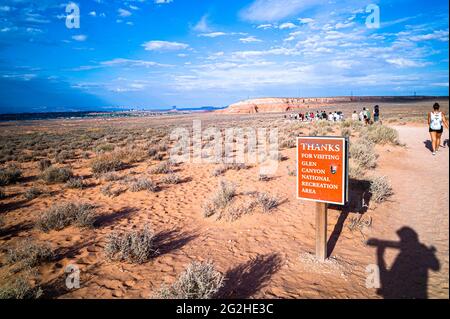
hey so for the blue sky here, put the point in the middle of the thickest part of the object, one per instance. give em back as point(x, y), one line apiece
point(190, 53)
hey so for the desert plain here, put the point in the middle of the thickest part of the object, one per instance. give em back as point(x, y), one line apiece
point(260, 238)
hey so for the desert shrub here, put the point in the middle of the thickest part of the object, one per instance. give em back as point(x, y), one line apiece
point(136, 246)
point(44, 164)
point(162, 168)
point(143, 184)
point(380, 189)
point(32, 193)
point(163, 147)
point(267, 201)
point(26, 157)
point(291, 172)
point(9, 175)
point(236, 166)
point(111, 191)
point(264, 178)
point(346, 132)
point(29, 253)
point(381, 134)
point(75, 182)
point(19, 288)
point(63, 156)
point(152, 151)
point(235, 212)
point(131, 155)
point(85, 155)
point(355, 171)
point(158, 157)
point(2, 194)
point(354, 125)
point(53, 175)
point(278, 157)
point(220, 199)
point(104, 148)
point(363, 152)
point(111, 177)
point(200, 280)
point(220, 170)
point(105, 163)
point(61, 216)
point(172, 179)
point(288, 143)
point(346, 123)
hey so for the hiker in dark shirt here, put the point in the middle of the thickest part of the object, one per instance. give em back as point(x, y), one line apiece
point(376, 113)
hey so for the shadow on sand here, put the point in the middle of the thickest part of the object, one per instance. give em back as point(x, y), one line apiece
point(248, 278)
point(358, 202)
point(428, 145)
point(407, 278)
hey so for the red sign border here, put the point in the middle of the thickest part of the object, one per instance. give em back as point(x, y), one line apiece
point(344, 164)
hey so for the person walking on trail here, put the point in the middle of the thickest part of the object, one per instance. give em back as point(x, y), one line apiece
point(376, 113)
point(355, 116)
point(361, 115)
point(436, 122)
point(368, 116)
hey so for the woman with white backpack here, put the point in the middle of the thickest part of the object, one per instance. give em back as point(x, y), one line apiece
point(436, 122)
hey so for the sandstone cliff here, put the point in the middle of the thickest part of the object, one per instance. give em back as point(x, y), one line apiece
point(276, 105)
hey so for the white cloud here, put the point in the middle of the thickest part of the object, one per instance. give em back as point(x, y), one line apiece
point(80, 37)
point(305, 20)
point(93, 13)
point(33, 30)
point(343, 64)
point(36, 18)
point(120, 62)
point(212, 34)
point(265, 26)
point(164, 46)
point(344, 25)
point(259, 53)
point(287, 25)
point(250, 39)
point(406, 63)
point(123, 12)
point(441, 35)
point(5, 8)
point(23, 77)
point(163, 1)
point(202, 25)
point(131, 63)
point(275, 10)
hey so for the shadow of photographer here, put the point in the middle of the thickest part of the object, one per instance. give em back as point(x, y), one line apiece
point(407, 278)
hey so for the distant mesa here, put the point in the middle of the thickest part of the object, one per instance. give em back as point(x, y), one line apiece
point(279, 105)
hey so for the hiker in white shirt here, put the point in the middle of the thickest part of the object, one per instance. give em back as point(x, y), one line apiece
point(436, 122)
point(330, 117)
point(355, 116)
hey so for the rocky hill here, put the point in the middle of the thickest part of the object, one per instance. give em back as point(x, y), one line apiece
point(277, 105)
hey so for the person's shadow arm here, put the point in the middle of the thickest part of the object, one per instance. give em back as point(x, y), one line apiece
point(433, 261)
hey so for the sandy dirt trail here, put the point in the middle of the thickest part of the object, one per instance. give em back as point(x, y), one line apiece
point(421, 202)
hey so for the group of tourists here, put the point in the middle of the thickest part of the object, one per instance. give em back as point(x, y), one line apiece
point(366, 116)
point(436, 120)
point(335, 116)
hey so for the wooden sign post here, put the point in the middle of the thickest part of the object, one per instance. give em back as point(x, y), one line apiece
point(321, 231)
point(322, 177)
